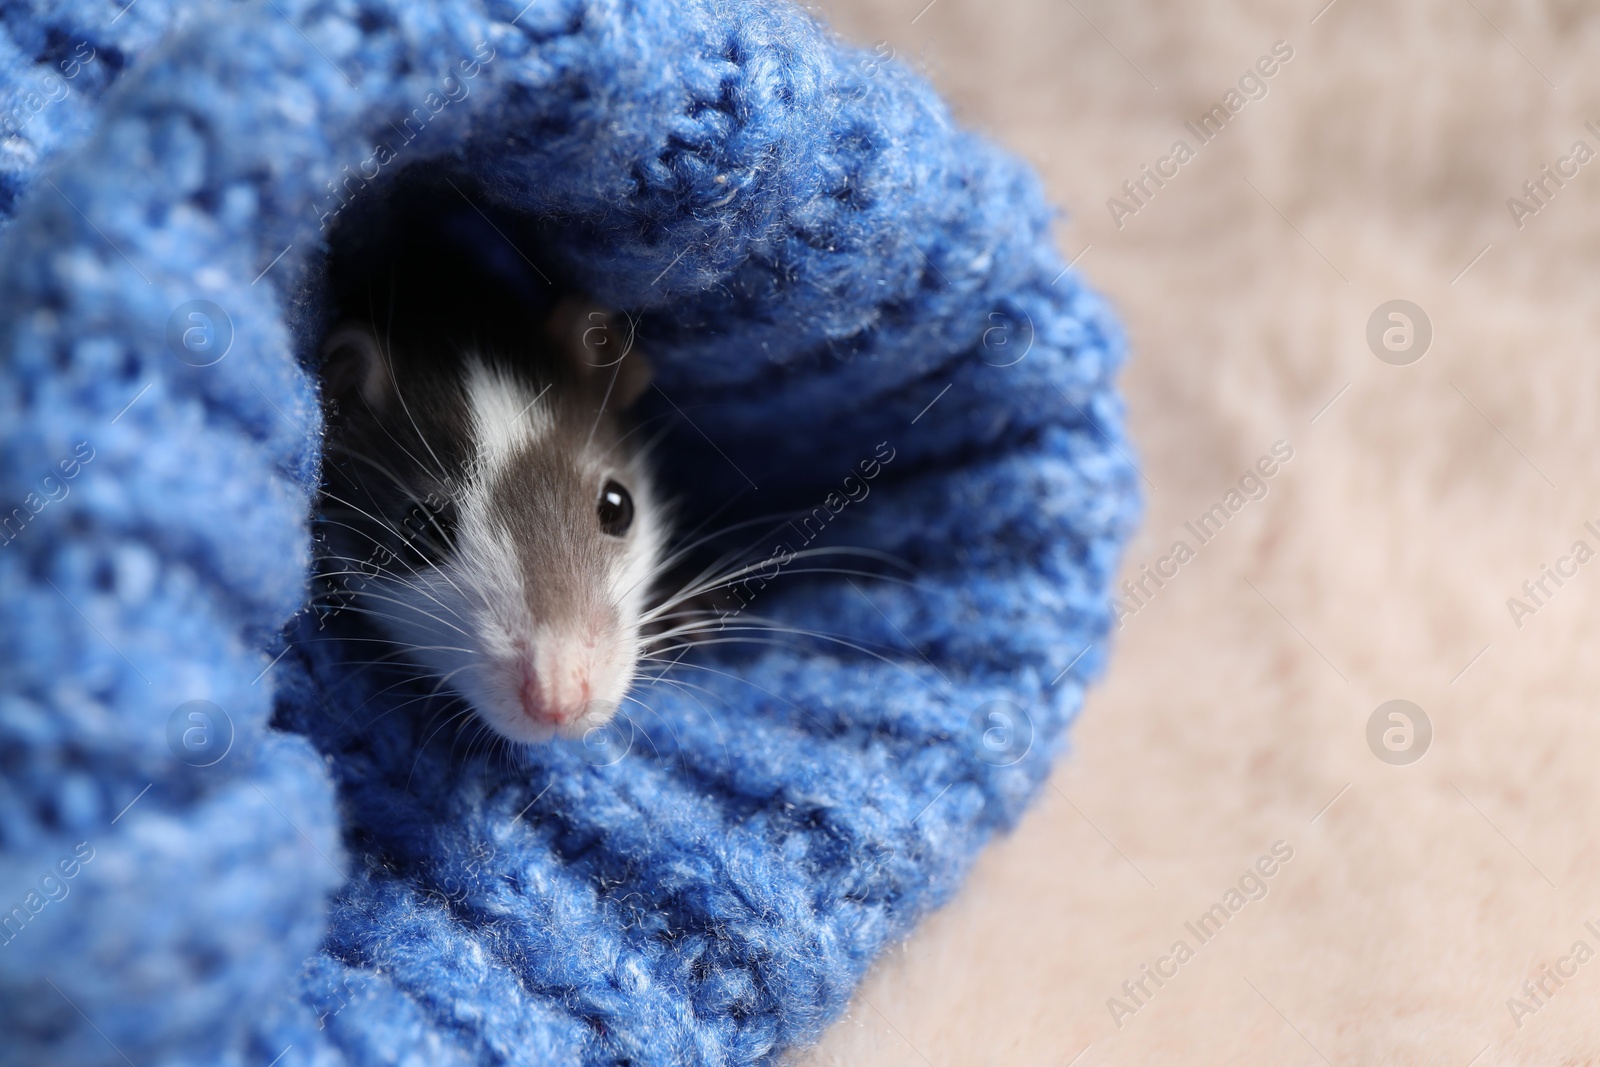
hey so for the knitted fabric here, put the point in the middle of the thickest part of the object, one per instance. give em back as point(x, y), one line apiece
point(855, 313)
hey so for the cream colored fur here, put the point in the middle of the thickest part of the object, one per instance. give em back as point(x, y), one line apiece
point(1385, 551)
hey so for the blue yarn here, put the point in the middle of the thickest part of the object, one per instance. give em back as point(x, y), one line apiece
point(820, 262)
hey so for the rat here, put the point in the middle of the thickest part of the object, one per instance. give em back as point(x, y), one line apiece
point(485, 505)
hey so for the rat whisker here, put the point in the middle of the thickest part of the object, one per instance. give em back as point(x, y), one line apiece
point(692, 539)
point(407, 537)
point(690, 689)
point(389, 710)
point(724, 580)
point(900, 664)
point(395, 582)
point(399, 653)
point(423, 748)
point(406, 540)
point(337, 447)
point(764, 626)
point(678, 748)
point(373, 613)
point(728, 556)
point(476, 725)
point(690, 665)
point(406, 491)
point(454, 713)
point(638, 726)
point(687, 547)
point(413, 671)
point(734, 580)
point(388, 366)
point(665, 676)
point(715, 573)
point(327, 519)
point(364, 593)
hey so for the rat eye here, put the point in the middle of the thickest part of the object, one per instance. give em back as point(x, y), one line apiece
point(615, 508)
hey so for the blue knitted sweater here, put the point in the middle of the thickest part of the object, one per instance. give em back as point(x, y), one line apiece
point(226, 839)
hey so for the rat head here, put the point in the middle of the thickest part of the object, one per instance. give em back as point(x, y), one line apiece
point(488, 511)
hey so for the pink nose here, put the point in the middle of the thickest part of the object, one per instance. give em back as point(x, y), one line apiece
point(555, 700)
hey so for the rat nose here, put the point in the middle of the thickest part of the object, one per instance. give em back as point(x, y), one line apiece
point(561, 674)
point(557, 697)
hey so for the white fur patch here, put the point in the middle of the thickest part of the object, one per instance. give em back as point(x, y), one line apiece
point(506, 416)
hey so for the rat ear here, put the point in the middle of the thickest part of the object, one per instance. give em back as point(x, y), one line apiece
point(599, 351)
point(354, 366)
point(633, 378)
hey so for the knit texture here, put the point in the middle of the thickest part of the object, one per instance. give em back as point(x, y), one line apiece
point(856, 314)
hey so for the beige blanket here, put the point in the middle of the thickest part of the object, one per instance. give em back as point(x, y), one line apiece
point(1427, 541)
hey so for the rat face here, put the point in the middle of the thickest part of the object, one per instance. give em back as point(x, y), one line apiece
point(518, 533)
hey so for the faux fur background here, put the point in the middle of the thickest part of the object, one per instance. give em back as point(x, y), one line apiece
point(1378, 566)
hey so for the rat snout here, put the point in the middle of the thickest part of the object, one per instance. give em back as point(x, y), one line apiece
point(569, 678)
point(558, 695)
